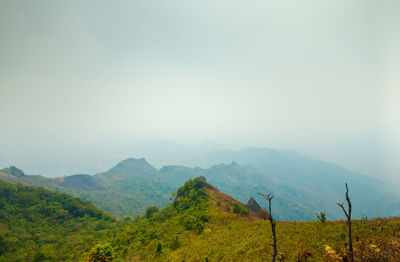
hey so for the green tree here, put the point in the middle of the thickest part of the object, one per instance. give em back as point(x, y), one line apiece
point(39, 257)
point(321, 217)
point(150, 211)
point(239, 209)
point(101, 253)
point(3, 245)
point(158, 249)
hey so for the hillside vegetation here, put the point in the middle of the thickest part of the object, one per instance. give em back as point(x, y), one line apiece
point(201, 224)
point(41, 225)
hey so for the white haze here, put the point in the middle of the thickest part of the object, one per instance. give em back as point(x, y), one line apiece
point(82, 81)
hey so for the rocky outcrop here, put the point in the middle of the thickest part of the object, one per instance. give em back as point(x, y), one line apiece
point(252, 205)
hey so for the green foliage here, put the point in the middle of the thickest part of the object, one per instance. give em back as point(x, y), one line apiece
point(191, 222)
point(321, 217)
point(3, 245)
point(239, 208)
point(192, 193)
point(101, 253)
point(175, 244)
point(158, 248)
point(150, 211)
point(39, 257)
point(39, 225)
point(193, 188)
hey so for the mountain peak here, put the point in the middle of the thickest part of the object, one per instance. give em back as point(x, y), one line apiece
point(133, 162)
point(131, 166)
point(14, 171)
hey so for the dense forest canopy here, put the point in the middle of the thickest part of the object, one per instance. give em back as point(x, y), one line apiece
point(39, 224)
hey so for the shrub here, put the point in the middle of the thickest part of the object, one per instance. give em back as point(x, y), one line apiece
point(321, 217)
point(190, 222)
point(239, 209)
point(175, 244)
point(158, 248)
point(39, 257)
point(101, 253)
point(302, 254)
point(227, 206)
point(3, 245)
point(150, 211)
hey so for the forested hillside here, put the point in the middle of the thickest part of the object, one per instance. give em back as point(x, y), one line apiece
point(37, 224)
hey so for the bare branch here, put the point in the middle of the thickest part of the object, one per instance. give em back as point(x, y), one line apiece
point(348, 216)
point(344, 210)
point(348, 199)
point(269, 197)
point(265, 196)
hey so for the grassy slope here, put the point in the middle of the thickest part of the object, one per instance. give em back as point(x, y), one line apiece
point(226, 236)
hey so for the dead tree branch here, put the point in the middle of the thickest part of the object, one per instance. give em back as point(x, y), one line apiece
point(269, 198)
point(348, 216)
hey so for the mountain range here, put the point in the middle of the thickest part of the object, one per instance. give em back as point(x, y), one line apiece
point(302, 186)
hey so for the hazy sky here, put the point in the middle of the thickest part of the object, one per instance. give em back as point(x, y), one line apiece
point(314, 76)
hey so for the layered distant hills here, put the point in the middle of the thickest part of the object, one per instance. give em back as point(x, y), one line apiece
point(302, 186)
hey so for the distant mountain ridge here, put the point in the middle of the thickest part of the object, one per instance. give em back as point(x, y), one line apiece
point(302, 186)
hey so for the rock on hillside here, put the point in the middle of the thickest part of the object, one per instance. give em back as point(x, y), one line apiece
point(253, 205)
